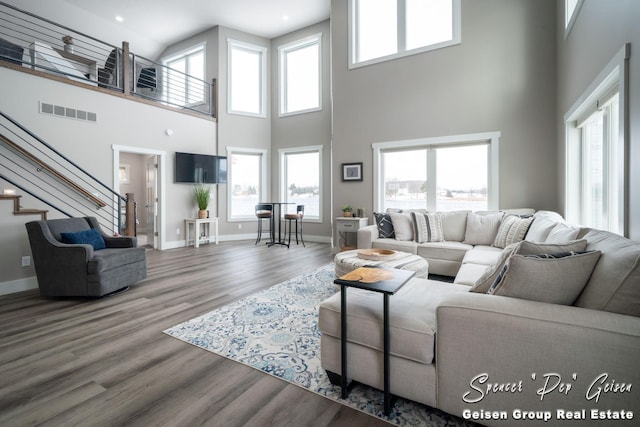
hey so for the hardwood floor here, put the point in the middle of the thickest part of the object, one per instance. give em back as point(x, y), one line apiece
point(106, 362)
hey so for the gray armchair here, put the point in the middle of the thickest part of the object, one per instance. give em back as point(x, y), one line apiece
point(71, 269)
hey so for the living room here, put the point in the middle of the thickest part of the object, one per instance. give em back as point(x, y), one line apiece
point(515, 72)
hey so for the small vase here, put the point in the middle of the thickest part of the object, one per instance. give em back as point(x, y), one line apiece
point(202, 214)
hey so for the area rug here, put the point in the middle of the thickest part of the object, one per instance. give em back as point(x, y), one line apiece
point(276, 331)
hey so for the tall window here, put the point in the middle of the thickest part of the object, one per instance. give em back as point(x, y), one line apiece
point(596, 169)
point(184, 77)
point(247, 181)
point(571, 9)
point(247, 79)
point(385, 29)
point(301, 179)
point(444, 174)
point(300, 75)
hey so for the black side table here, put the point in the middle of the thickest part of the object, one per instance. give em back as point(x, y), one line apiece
point(387, 286)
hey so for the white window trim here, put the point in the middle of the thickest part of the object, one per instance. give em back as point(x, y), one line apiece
point(615, 72)
point(456, 39)
point(282, 51)
point(264, 185)
point(492, 138)
point(262, 50)
point(283, 178)
point(568, 23)
point(180, 54)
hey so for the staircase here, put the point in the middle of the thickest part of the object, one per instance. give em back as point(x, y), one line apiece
point(19, 210)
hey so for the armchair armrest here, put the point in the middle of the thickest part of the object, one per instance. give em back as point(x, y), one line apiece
point(366, 236)
point(556, 357)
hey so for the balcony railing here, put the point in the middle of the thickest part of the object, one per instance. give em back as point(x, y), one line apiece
point(37, 43)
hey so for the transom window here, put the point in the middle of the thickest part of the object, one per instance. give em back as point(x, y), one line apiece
point(301, 179)
point(444, 174)
point(571, 10)
point(247, 181)
point(247, 79)
point(386, 29)
point(184, 77)
point(300, 76)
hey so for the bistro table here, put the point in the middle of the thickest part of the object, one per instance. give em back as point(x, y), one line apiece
point(277, 213)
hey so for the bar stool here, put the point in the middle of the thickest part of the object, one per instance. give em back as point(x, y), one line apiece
point(264, 211)
point(297, 217)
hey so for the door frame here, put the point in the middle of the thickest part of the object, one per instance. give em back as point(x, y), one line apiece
point(161, 155)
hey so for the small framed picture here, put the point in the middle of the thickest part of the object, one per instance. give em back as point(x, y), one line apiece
point(352, 171)
point(124, 173)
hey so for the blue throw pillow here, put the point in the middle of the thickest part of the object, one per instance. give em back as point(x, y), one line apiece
point(88, 237)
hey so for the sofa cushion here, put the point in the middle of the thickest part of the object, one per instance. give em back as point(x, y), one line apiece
point(109, 259)
point(450, 251)
point(385, 226)
point(88, 237)
point(562, 232)
point(482, 229)
point(427, 227)
point(554, 279)
point(402, 226)
point(615, 283)
point(482, 255)
point(412, 317)
point(543, 223)
point(512, 230)
point(67, 225)
point(454, 225)
point(396, 245)
point(468, 274)
point(487, 279)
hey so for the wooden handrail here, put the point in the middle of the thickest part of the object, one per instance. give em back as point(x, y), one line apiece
point(54, 172)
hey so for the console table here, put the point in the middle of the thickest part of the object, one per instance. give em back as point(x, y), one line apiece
point(201, 230)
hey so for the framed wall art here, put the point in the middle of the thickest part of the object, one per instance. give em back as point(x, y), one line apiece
point(352, 171)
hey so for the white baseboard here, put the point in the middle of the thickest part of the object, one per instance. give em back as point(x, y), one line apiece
point(19, 285)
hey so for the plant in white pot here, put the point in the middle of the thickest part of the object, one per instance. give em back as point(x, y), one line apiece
point(202, 193)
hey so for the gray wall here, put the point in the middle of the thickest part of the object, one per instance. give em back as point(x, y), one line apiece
point(600, 30)
point(501, 78)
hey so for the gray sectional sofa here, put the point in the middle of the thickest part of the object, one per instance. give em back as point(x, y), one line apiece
point(517, 331)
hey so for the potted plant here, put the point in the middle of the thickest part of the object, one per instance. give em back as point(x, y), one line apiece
point(347, 210)
point(202, 193)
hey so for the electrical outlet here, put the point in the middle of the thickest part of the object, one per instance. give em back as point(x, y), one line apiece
point(177, 231)
point(26, 261)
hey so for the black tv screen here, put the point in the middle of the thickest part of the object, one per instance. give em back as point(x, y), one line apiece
point(200, 168)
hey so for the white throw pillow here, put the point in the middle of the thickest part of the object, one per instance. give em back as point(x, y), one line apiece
point(546, 278)
point(427, 227)
point(512, 230)
point(402, 226)
point(482, 229)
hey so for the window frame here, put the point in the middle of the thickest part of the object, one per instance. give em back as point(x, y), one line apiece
point(262, 52)
point(490, 138)
point(263, 192)
point(283, 152)
point(570, 18)
point(615, 73)
point(283, 50)
point(185, 54)
point(401, 51)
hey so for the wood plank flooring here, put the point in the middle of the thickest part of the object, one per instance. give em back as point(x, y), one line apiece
point(106, 362)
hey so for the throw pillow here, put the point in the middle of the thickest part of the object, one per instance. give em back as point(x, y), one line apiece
point(427, 227)
point(482, 229)
point(562, 232)
point(402, 226)
point(554, 279)
point(485, 281)
point(88, 237)
point(512, 230)
point(385, 226)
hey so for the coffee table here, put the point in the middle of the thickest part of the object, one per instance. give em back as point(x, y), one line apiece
point(349, 260)
point(387, 282)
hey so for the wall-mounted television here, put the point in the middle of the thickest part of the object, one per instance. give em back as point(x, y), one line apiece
point(200, 168)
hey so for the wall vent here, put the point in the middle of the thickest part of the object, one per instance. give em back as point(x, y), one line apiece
point(67, 112)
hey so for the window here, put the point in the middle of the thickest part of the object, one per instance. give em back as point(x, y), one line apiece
point(596, 170)
point(444, 174)
point(247, 181)
point(300, 76)
point(385, 29)
point(571, 10)
point(247, 79)
point(301, 179)
point(184, 77)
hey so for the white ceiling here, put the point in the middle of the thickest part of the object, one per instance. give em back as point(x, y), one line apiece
point(151, 25)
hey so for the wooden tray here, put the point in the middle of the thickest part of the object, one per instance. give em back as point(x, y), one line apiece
point(376, 254)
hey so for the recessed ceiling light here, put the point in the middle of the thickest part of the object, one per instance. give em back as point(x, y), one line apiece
point(119, 18)
point(285, 17)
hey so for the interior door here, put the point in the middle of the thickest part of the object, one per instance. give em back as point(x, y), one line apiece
point(151, 202)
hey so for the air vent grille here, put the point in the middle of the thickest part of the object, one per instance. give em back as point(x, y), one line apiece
point(67, 112)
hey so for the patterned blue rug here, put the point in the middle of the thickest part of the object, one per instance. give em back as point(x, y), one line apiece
point(276, 331)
